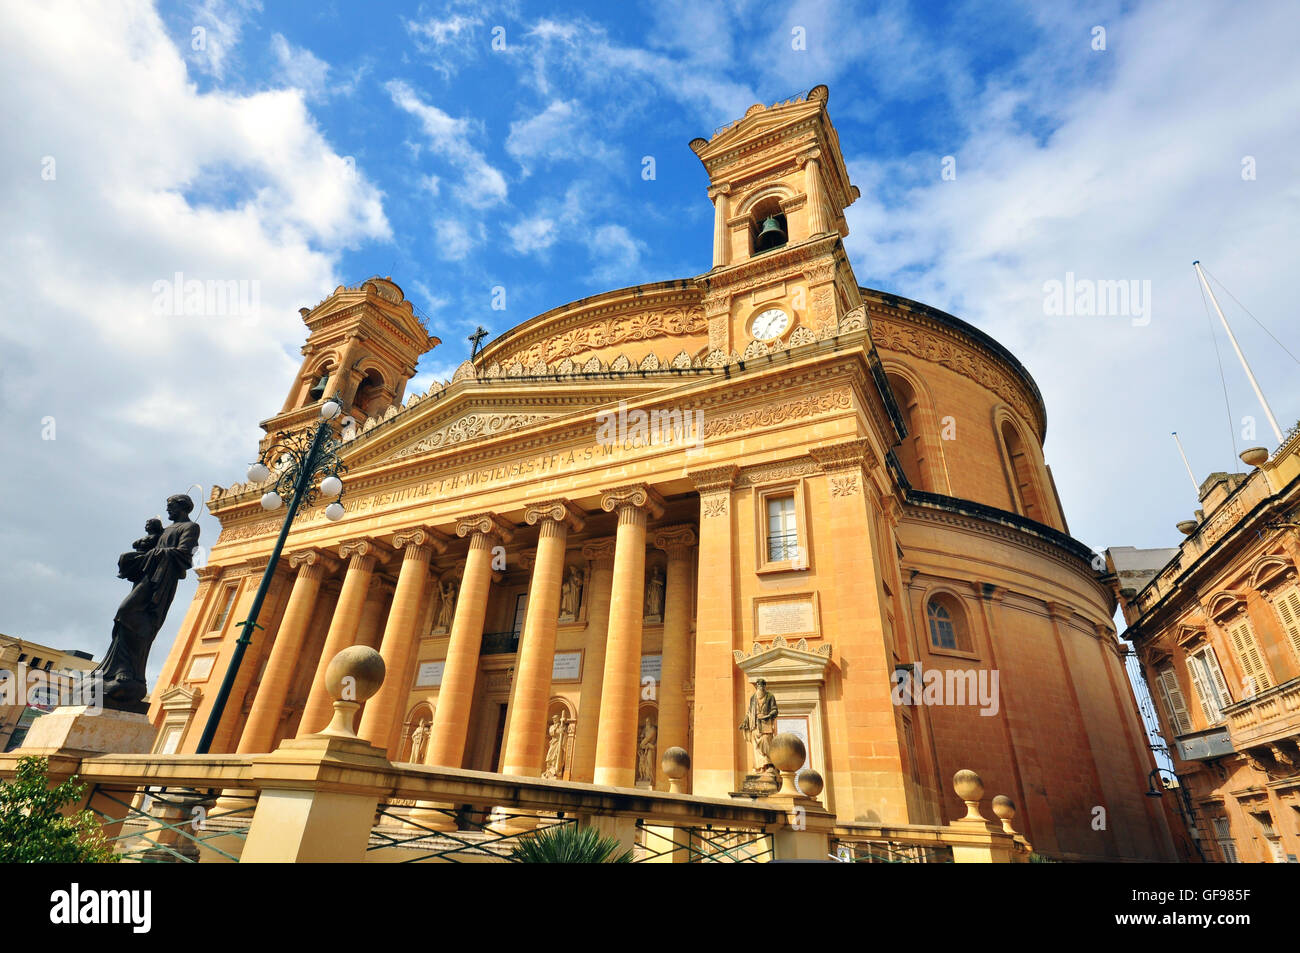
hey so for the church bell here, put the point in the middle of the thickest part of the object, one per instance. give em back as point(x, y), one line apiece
point(770, 235)
point(318, 389)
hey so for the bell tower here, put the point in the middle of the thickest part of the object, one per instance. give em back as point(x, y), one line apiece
point(779, 188)
point(362, 347)
point(776, 177)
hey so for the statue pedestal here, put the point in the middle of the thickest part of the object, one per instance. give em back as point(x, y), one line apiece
point(82, 730)
point(762, 784)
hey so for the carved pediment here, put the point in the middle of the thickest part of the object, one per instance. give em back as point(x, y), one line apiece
point(780, 661)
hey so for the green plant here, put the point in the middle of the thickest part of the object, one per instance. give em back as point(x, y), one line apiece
point(32, 827)
point(569, 844)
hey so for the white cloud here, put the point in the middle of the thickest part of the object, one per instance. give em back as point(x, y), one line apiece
point(1140, 175)
point(482, 185)
point(300, 68)
point(616, 253)
point(151, 178)
point(456, 238)
point(532, 235)
point(218, 25)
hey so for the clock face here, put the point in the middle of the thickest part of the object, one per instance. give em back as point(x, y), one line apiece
point(771, 324)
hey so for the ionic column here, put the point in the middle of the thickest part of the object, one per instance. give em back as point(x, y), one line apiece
point(713, 760)
point(342, 633)
point(381, 715)
point(451, 718)
point(532, 689)
point(616, 737)
point(268, 705)
point(677, 542)
point(721, 234)
point(600, 579)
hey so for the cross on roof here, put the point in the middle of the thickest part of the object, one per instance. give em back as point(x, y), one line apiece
point(479, 334)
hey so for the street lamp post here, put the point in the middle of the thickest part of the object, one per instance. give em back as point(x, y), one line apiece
point(298, 460)
point(1185, 809)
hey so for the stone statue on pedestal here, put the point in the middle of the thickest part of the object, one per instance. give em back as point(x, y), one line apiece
point(555, 746)
point(645, 752)
point(447, 610)
point(418, 738)
point(156, 564)
point(571, 595)
point(654, 595)
point(759, 725)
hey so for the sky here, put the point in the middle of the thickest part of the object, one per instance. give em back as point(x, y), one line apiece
point(537, 153)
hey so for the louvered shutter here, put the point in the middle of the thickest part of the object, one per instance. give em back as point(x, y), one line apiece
point(1177, 710)
point(1288, 608)
point(1195, 669)
point(1247, 649)
point(1216, 676)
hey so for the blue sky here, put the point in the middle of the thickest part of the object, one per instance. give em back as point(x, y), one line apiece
point(305, 146)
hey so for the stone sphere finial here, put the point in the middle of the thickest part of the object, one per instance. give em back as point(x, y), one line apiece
point(970, 788)
point(1005, 809)
point(810, 782)
point(788, 754)
point(675, 763)
point(351, 677)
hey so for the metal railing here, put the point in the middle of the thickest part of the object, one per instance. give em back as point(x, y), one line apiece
point(172, 825)
point(500, 643)
point(854, 851)
point(782, 546)
point(465, 835)
point(703, 845)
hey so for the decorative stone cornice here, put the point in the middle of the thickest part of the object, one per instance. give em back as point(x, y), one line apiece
point(561, 511)
point(676, 541)
point(639, 495)
point(851, 455)
point(714, 479)
point(208, 573)
point(488, 524)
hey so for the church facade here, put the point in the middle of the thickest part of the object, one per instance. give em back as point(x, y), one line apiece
point(591, 543)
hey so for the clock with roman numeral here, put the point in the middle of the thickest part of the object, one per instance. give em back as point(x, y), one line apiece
point(770, 324)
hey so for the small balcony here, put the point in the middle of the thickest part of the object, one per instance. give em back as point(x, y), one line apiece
point(1270, 717)
point(500, 643)
point(1204, 745)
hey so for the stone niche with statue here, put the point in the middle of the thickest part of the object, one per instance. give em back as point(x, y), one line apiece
point(794, 673)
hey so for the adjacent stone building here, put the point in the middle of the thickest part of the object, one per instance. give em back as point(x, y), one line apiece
point(588, 545)
point(1216, 625)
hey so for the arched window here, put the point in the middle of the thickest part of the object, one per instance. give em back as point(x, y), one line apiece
point(1024, 488)
point(767, 226)
point(370, 394)
point(947, 624)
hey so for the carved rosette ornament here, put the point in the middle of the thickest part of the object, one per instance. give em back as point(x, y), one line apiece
point(844, 463)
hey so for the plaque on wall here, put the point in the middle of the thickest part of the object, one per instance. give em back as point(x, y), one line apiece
point(652, 667)
point(785, 616)
point(200, 668)
point(567, 667)
point(430, 674)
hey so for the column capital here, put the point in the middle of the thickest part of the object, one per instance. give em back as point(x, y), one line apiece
point(715, 478)
point(315, 558)
point(208, 573)
point(812, 155)
point(488, 524)
point(638, 495)
point(561, 511)
point(600, 552)
point(849, 455)
point(527, 559)
point(416, 537)
point(357, 547)
point(676, 541)
point(722, 188)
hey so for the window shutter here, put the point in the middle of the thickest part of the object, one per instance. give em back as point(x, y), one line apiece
point(1247, 649)
point(1288, 608)
point(1216, 676)
point(1208, 710)
point(1178, 719)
